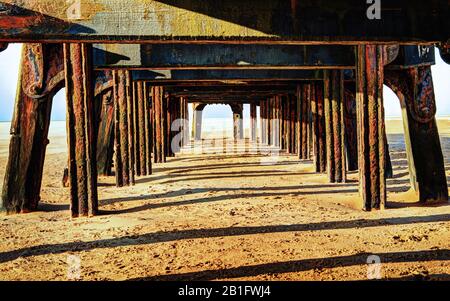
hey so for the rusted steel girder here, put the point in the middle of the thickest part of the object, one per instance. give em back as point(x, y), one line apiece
point(164, 77)
point(414, 88)
point(371, 128)
point(80, 128)
point(223, 56)
point(344, 21)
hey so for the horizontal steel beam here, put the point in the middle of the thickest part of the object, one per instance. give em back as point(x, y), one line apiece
point(179, 57)
point(234, 88)
point(234, 21)
point(156, 76)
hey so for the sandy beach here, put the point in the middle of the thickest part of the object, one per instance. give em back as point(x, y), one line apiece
point(208, 216)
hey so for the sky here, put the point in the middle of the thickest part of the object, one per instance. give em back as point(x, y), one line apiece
point(10, 60)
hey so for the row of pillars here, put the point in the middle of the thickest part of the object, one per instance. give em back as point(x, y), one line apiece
point(339, 129)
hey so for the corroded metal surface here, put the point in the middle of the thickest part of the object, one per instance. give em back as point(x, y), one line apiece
point(231, 20)
point(81, 138)
point(371, 129)
point(423, 148)
point(181, 56)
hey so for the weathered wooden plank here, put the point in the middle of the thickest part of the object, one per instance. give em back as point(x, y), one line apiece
point(414, 88)
point(371, 129)
point(81, 138)
point(200, 21)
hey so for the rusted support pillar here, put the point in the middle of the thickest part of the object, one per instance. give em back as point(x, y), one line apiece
point(238, 122)
point(169, 119)
point(160, 110)
point(284, 124)
point(298, 118)
point(293, 124)
point(261, 122)
point(148, 128)
point(371, 128)
point(130, 127)
point(141, 137)
point(276, 121)
point(304, 120)
point(351, 137)
point(414, 88)
point(253, 122)
point(124, 164)
point(318, 128)
point(41, 76)
point(197, 121)
point(351, 144)
point(183, 121)
point(136, 124)
point(186, 122)
point(80, 129)
point(334, 125)
point(157, 97)
point(105, 140)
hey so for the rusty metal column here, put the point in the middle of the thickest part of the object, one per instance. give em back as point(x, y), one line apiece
point(80, 131)
point(351, 137)
point(105, 135)
point(197, 122)
point(319, 137)
point(253, 122)
point(130, 127)
point(140, 129)
point(304, 122)
point(41, 65)
point(334, 123)
point(414, 88)
point(122, 154)
point(148, 109)
point(371, 128)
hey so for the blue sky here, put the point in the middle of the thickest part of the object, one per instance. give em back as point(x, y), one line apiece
point(10, 60)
